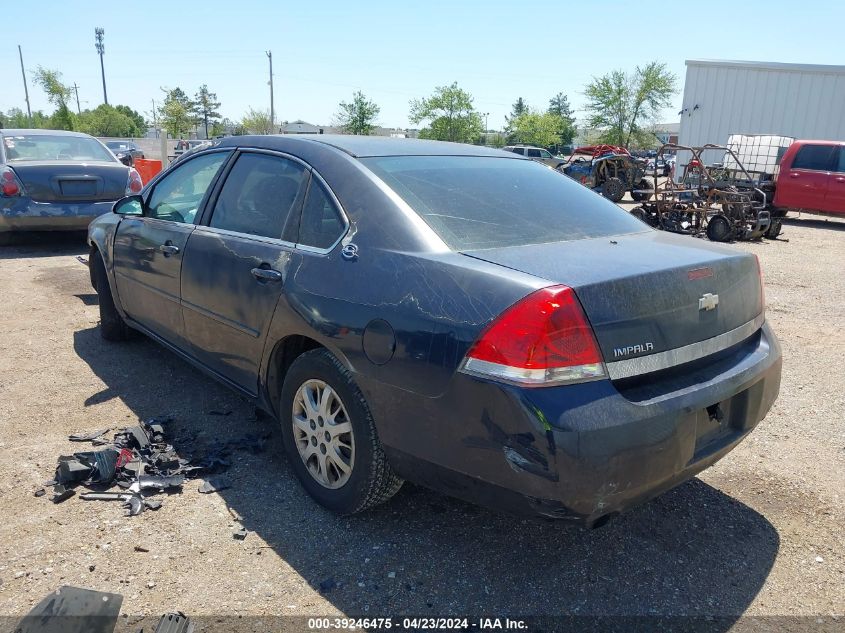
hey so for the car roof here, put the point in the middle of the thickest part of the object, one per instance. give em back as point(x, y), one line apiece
point(39, 132)
point(366, 146)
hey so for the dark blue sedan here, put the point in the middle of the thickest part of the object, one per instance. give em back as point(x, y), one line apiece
point(459, 317)
point(51, 180)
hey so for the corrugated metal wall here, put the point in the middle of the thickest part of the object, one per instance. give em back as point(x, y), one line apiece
point(802, 101)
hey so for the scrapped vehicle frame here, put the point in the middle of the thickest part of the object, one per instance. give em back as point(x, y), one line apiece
point(724, 209)
point(610, 170)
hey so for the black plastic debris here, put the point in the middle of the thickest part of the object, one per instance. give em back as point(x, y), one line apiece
point(160, 482)
point(174, 623)
point(215, 484)
point(88, 437)
point(61, 493)
point(39, 493)
point(240, 535)
point(73, 610)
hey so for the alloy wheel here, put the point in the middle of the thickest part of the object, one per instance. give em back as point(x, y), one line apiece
point(323, 434)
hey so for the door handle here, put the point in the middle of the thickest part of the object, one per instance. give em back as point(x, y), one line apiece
point(168, 249)
point(266, 274)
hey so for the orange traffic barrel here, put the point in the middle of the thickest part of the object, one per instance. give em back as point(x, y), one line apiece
point(147, 168)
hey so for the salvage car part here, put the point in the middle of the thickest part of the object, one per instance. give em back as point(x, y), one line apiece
point(73, 610)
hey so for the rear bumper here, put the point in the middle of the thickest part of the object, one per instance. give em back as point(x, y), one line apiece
point(23, 214)
point(580, 452)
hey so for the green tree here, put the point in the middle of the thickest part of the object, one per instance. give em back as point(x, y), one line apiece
point(537, 128)
point(559, 106)
point(106, 120)
point(206, 104)
point(619, 102)
point(257, 122)
point(176, 114)
point(137, 118)
point(16, 118)
point(58, 94)
point(357, 116)
point(450, 114)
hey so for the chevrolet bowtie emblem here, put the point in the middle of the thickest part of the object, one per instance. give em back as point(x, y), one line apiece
point(708, 301)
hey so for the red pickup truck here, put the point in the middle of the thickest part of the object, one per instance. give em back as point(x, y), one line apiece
point(812, 178)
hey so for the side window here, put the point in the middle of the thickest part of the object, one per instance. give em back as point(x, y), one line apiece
point(321, 224)
point(519, 150)
point(841, 159)
point(258, 195)
point(815, 158)
point(178, 196)
point(532, 153)
point(545, 154)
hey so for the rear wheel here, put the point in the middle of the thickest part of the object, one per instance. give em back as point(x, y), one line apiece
point(774, 228)
point(330, 437)
point(719, 229)
point(112, 325)
point(613, 189)
point(643, 191)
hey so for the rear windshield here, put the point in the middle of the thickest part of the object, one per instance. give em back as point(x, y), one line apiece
point(49, 147)
point(476, 202)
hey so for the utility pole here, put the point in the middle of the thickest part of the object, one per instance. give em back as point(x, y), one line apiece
point(76, 90)
point(101, 49)
point(25, 89)
point(272, 110)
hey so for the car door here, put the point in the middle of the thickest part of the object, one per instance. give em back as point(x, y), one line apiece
point(237, 261)
point(148, 249)
point(805, 183)
point(835, 197)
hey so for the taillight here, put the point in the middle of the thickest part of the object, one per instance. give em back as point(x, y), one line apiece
point(134, 184)
point(544, 339)
point(9, 183)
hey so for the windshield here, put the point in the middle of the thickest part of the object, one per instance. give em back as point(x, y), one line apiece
point(475, 202)
point(49, 147)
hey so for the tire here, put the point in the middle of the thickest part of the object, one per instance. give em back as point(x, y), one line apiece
point(613, 189)
point(370, 480)
point(642, 196)
point(719, 229)
point(640, 214)
point(774, 228)
point(112, 325)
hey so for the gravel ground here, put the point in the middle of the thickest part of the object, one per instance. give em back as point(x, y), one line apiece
point(760, 533)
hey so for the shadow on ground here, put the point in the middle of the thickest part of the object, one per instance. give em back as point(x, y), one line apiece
point(46, 244)
point(833, 224)
point(693, 551)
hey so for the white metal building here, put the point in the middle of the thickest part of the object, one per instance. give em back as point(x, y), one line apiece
point(721, 98)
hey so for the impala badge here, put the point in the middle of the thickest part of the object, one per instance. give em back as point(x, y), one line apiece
point(708, 301)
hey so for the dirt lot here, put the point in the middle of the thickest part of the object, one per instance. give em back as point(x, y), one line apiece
point(760, 533)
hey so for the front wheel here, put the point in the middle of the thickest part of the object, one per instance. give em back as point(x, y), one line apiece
point(774, 228)
point(112, 325)
point(330, 436)
point(613, 189)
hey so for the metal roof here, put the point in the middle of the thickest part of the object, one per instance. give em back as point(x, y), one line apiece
point(780, 66)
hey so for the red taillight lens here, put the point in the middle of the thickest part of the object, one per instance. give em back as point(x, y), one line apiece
point(9, 184)
point(135, 184)
point(543, 339)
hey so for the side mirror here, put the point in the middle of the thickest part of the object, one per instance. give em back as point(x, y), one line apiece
point(130, 205)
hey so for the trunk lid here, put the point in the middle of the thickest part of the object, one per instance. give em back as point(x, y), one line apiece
point(58, 181)
point(643, 293)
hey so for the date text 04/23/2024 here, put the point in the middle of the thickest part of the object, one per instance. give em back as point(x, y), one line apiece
point(417, 624)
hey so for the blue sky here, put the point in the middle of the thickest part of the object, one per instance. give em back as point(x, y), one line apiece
point(393, 51)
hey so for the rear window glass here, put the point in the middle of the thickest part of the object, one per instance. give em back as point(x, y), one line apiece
point(49, 147)
point(475, 202)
